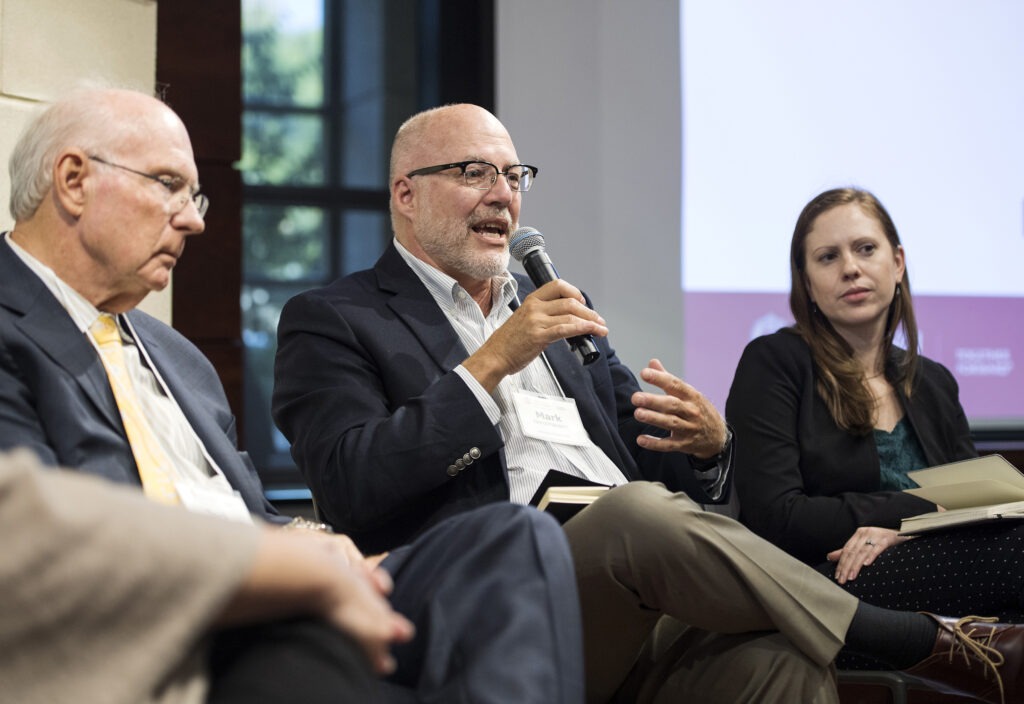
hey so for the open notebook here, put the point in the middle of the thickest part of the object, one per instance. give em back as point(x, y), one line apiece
point(976, 490)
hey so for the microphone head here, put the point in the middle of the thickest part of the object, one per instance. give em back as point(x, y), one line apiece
point(523, 241)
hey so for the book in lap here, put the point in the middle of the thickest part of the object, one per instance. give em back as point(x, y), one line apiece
point(564, 495)
point(973, 491)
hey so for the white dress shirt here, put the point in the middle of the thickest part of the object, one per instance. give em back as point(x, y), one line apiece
point(527, 459)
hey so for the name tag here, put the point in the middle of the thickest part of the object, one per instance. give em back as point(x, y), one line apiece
point(200, 499)
point(549, 418)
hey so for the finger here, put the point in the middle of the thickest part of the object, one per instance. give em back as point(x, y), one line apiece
point(579, 309)
point(559, 288)
point(848, 569)
point(402, 631)
point(543, 313)
point(571, 326)
point(668, 412)
point(851, 573)
point(381, 580)
point(655, 407)
point(669, 444)
point(373, 561)
point(654, 373)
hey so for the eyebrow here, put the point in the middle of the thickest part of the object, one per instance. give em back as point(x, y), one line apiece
point(176, 175)
point(488, 161)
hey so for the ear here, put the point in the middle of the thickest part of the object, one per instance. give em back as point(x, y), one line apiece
point(69, 181)
point(403, 196)
point(901, 263)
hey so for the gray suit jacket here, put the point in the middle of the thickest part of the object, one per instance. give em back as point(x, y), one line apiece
point(55, 398)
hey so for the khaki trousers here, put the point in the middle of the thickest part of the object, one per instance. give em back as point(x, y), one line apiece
point(763, 627)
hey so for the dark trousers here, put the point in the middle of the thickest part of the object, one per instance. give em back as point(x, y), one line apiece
point(303, 661)
point(493, 596)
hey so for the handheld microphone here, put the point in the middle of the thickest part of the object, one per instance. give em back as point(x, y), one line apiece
point(527, 246)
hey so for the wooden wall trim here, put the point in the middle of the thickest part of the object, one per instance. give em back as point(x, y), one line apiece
point(199, 45)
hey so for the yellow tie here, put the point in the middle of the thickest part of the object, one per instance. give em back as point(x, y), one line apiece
point(154, 467)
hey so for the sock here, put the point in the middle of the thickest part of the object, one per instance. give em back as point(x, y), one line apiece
point(900, 638)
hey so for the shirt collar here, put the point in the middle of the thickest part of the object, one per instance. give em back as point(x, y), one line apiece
point(444, 289)
point(82, 312)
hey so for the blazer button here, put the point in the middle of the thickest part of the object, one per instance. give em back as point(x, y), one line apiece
point(459, 464)
point(452, 470)
point(474, 453)
point(467, 459)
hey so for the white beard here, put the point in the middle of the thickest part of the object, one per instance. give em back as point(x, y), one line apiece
point(445, 242)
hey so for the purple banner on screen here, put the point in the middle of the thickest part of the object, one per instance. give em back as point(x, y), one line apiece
point(980, 340)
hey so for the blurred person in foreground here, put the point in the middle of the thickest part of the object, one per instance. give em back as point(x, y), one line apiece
point(111, 598)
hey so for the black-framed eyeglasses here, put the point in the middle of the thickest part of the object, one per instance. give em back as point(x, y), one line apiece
point(482, 174)
point(179, 193)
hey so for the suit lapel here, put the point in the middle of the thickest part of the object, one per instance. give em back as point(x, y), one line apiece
point(412, 302)
point(577, 384)
point(45, 322)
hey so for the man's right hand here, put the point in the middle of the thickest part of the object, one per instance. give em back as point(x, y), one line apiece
point(555, 311)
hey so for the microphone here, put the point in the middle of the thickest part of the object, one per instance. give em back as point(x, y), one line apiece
point(527, 246)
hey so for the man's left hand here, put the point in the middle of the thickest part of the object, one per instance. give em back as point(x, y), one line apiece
point(695, 426)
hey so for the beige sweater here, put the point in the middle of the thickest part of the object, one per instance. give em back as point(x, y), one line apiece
point(105, 596)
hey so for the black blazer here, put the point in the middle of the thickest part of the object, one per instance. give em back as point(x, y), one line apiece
point(365, 392)
point(55, 398)
point(804, 483)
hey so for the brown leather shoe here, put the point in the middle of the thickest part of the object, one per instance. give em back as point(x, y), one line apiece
point(976, 657)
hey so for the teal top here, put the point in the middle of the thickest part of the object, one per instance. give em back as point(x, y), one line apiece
point(899, 452)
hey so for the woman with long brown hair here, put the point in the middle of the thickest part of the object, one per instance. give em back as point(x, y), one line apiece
point(831, 414)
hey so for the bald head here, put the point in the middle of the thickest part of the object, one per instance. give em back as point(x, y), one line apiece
point(428, 134)
point(440, 135)
point(103, 186)
point(96, 120)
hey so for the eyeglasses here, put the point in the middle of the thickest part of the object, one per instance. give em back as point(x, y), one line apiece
point(482, 174)
point(179, 192)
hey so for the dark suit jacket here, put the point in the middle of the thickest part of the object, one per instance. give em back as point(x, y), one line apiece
point(365, 392)
point(803, 482)
point(55, 398)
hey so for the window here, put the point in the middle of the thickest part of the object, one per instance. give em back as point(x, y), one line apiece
point(325, 84)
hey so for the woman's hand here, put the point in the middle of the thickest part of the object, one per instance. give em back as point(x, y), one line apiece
point(861, 549)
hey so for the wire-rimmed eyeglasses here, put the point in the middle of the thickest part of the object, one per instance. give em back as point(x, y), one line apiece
point(179, 193)
point(482, 174)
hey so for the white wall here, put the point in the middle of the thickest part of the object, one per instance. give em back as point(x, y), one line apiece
point(48, 46)
point(589, 90)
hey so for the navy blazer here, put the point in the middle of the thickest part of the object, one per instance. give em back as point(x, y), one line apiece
point(55, 398)
point(803, 482)
point(365, 392)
